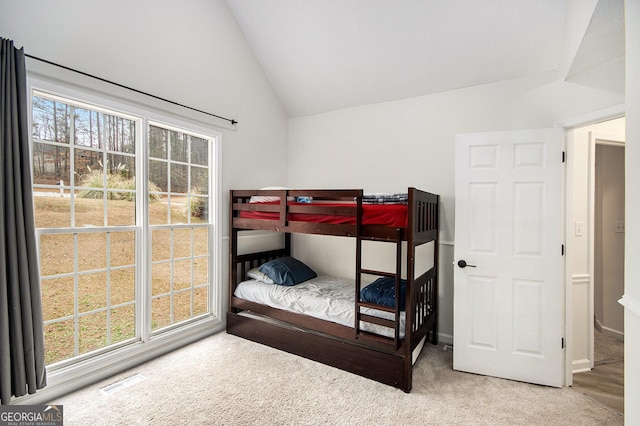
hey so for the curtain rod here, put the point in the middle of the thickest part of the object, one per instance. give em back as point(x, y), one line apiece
point(232, 121)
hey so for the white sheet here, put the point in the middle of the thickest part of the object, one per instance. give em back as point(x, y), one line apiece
point(325, 297)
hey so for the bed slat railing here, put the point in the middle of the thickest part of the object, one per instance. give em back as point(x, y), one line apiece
point(240, 201)
point(240, 264)
point(425, 216)
point(422, 301)
point(424, 307)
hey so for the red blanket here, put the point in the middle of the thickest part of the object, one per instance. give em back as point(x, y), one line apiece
point(394, 215)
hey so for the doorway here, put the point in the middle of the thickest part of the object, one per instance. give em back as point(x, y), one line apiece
point(608, 245)
point(595, 235)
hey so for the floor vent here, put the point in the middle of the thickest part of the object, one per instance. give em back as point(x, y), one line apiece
point(122, 384)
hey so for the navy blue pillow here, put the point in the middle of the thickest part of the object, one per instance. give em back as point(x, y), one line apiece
point(383, 292)
point(287, 271)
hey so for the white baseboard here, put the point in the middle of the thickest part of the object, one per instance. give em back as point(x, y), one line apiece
point(597, 324)
point(617, 333)
point(581, 365)
point(608, 330)
point(446, 339)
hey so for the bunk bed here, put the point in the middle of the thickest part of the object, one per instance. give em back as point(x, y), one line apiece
point(379, 339)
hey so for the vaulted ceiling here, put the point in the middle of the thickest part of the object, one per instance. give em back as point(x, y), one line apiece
point(324, 55)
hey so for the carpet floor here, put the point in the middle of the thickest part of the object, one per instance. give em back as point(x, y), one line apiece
point(226, 380)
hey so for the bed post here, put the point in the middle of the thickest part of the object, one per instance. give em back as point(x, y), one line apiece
point(287, 243)
point(409, 311)
point(436, 261)
point(233, 253)
point(358, 277)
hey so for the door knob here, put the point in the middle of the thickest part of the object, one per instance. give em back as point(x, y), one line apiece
point(464, 264)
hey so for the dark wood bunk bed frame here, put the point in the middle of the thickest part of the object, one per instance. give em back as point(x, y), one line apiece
point(386, 360)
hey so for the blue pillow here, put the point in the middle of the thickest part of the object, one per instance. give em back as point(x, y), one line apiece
point(287, 271)
point(383, 292)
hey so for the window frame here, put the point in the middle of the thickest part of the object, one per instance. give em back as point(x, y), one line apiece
point(147, 344)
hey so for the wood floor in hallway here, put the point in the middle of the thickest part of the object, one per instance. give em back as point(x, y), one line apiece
point(605, 383)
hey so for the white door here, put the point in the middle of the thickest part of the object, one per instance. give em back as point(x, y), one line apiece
point(509, 298)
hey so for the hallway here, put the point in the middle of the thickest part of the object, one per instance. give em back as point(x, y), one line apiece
point(605, 383)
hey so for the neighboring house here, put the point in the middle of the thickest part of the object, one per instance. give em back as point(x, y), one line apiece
point(216, 71)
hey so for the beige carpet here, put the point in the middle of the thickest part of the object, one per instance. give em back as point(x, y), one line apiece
point(230, 381)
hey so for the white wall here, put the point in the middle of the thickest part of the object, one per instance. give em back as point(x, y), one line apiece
point(631, 298)
point(389, 146)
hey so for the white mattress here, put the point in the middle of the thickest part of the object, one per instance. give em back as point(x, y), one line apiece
point(325, 297)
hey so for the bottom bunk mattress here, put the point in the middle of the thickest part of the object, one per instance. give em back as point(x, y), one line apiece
point(324, 297)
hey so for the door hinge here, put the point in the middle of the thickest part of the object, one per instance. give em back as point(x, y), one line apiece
point(562, 343)
point(562, 250)
point(564, 156)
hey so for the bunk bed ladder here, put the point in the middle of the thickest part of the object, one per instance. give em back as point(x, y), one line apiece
point(359, 316)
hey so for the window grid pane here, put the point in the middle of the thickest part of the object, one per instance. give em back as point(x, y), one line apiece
point(81, 190)
point(81, 288)
point(178, 166)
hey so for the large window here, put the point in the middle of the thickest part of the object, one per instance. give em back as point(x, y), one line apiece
point(122, 208)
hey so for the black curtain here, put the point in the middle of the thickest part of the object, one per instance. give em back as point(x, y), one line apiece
point(22, 368)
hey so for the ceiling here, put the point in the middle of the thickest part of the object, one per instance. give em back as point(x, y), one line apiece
point(324, 55)
point(604, 39)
